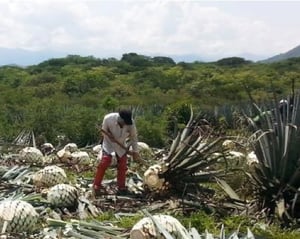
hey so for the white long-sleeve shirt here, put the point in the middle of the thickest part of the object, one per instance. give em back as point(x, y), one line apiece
point(111, 126)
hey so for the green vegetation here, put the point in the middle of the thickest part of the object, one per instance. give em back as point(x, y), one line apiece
point(69, 96)
point(202, 221)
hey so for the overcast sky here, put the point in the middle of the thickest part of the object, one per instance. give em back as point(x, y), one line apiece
point(210, 29)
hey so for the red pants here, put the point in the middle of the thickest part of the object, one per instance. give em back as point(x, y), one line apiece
point(104, 164)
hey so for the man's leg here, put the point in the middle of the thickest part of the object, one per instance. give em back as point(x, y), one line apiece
point(102, 166)
point(122, 168)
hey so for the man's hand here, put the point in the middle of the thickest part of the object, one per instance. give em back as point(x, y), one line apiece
point(136, 157)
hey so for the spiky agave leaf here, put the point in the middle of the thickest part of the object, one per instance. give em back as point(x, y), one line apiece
point(234, 235)
point(276, 175)
point(88, 229)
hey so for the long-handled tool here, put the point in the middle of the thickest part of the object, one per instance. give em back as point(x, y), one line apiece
point(111, 137)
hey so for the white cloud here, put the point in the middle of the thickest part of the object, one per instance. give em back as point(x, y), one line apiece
point(146, 27)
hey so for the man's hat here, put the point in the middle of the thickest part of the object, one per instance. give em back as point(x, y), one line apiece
point(126, 115)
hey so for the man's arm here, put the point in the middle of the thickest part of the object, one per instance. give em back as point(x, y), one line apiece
point(105, 129)
point(134, 143)
point(133, 138)
point(105, 125)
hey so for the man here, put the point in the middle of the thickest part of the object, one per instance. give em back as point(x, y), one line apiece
point(116, 128)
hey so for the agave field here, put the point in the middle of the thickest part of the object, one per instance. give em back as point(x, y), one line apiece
point(254, 176)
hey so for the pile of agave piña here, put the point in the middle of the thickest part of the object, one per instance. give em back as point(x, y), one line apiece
point(47, 189)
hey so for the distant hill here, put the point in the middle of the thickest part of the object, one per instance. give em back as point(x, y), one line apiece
point(20, 57)
point(295, 52)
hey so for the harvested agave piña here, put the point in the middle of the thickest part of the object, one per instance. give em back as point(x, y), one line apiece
point(152, 179)
point(49, 176)
point(17, 216)
point(64, 155)
point(147, 228)
point(80, 157)
point(63, 195)
point(31, 155)
point(165, 226)
point(47, 148)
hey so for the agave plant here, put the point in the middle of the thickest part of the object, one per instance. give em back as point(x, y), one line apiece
point(192, 159)
point(276, 175)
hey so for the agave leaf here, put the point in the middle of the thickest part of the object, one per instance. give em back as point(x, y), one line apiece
point(213, 144)
point(238, 206)
point(280, 207)
point(231, 193)
point(174, 146)
point(294, 202)
point(234, 235)
point(264, 149)
point(222, 232)
point(187, 130)
point(249, 234)
point(98, 234)
point(287, 138)
point(190, 160)
point(194, 146)
point(74, 234)
point(261, 174)
point(82, 214)
point(95, 225)
point(183, 233)
point(255, 178)
point(290, 137)
point(194, 233)
point(179, 154)
point(187, 145)
point(14, 172)
point(199, 155)
point(203, 176)
point(208, 235)
point(160, 228)
point(203, 164)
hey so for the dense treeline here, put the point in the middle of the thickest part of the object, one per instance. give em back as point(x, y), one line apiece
point(69, 96)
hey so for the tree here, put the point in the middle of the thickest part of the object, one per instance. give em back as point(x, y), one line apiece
point(110, 103)
point(232, 61)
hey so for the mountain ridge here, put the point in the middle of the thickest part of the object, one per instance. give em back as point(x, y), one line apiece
point(21, 57)
point(294, 52)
